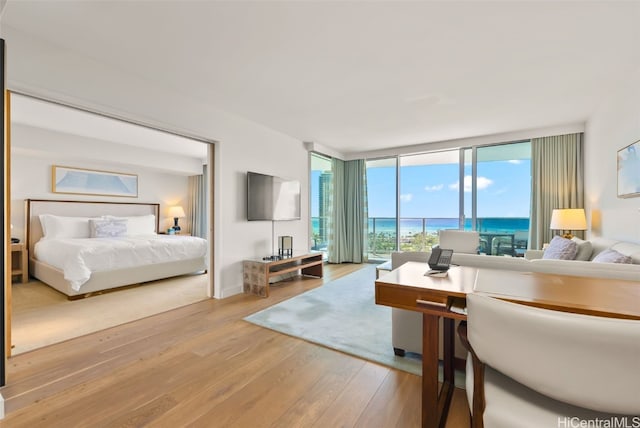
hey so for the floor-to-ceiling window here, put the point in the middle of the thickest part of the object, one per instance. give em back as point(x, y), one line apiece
point(382, 207)
point(484, 188)
point(429, 198)
point(321, 195)
point(503, 195)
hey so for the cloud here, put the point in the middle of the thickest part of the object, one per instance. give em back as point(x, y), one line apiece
point(515, 161)
point(407, 197)
point(434, 188)
point(482, 183)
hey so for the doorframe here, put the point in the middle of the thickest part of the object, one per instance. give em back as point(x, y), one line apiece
point(211, 147)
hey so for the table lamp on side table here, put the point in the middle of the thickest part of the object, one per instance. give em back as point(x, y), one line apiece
point(176, 212)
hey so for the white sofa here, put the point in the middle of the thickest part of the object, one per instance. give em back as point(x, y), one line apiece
point(407, 325)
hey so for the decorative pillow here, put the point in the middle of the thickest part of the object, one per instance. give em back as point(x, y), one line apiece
point(612, 256)
point(561, 249)
point(584, 249)
point(108, 228)
point(54, 226)
point(138, 225)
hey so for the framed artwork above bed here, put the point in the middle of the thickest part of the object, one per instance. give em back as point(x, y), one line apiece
point(82, 181)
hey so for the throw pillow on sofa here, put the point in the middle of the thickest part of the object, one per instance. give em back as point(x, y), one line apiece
point(561, 249)
point(584, 249)
point(611, 256)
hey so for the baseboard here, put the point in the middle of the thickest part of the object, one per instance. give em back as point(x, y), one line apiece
point(1, 407)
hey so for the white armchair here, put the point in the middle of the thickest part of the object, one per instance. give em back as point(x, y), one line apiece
point(532, 367)
point(460, 241)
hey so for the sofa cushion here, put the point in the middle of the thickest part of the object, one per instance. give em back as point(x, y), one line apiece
point(628, 249)
point(611, 256)
point(584, 249)
point(561, 249)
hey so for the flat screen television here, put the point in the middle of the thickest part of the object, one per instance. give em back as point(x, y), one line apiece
point(272, 198)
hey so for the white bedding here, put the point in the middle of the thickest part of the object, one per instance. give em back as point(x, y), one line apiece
point(78, 257)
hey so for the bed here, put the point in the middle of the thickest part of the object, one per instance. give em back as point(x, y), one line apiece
point(80, 248)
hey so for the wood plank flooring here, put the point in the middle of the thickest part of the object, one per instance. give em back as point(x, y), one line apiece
point(203, 366)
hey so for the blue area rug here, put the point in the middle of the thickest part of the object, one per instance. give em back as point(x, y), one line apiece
point(341, 315)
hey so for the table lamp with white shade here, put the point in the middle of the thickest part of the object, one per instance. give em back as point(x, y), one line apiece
point(176, 212)
point(568, 220)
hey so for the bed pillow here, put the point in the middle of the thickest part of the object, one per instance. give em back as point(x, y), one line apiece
point(561, 249)
point(584, 249)
point(108, 228)
point(54, 226)
point(612, 256)
point(138, 225)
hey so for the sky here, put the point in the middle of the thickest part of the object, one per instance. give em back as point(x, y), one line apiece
point(432, 190)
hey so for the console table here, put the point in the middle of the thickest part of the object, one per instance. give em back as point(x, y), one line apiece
point(257, 273)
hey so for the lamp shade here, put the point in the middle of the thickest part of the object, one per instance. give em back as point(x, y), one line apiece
point(568, 219)
point(176, 212)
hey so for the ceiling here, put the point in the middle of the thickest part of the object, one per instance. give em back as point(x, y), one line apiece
point(360, 76)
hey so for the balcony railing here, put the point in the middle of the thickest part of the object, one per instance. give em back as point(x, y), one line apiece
point(499, 235)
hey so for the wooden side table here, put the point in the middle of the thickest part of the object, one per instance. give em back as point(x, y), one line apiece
point(20, 262)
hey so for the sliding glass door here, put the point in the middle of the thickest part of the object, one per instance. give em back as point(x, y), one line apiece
point(382, 191)
point(429, 198)
point(321, 199)
point(503, 195)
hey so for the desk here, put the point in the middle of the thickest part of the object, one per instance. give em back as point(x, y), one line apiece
point(408, 288)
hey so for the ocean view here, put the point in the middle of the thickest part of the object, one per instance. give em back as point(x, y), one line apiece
point(411, 226)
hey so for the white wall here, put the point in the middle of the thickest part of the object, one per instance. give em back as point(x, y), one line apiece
point(37, 67)
point(31, 179)
point(615, 125)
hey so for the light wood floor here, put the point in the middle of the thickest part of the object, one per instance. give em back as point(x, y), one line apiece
point(203, 366)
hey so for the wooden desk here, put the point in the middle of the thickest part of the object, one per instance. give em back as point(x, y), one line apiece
point(408, 288)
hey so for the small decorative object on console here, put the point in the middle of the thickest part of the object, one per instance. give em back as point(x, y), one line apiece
point(285, 246)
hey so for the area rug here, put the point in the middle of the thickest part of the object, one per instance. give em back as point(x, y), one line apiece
point(342, 315)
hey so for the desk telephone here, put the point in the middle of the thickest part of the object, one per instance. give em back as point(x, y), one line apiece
point(440, 259)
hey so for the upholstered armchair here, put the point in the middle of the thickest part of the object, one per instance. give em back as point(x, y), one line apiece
point(460, 241)
point(532, 367)
point(406, 326)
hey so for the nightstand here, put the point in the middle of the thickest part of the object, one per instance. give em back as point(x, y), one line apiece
point(20, 262)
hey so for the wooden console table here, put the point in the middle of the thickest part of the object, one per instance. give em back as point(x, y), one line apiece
point(257, 273)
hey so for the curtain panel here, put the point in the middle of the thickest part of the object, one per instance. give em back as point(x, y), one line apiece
point(557, 179)
point(198, 204)
point(349, 220)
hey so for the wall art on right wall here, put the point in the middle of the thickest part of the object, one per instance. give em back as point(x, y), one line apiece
point(629, 171)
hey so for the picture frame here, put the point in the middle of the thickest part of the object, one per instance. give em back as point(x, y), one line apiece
point(628, 161)
point(81, 181)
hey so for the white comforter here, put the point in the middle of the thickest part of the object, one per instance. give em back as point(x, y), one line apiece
point(77, 258)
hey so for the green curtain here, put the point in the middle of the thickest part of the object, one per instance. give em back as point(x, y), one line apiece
point(557, 179)
point(198, 203)
point(349, 219)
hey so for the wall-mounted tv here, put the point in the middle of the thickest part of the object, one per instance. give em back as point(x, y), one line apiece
point(272, 198)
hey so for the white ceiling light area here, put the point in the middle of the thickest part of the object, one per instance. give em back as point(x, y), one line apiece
point(362, 76)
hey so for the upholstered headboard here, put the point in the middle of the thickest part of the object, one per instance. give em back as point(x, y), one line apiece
point(35, 207)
